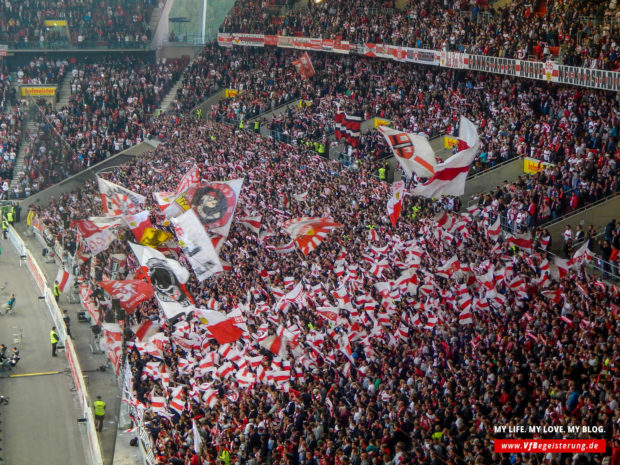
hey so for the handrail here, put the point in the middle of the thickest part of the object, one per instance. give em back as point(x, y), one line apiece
point(485, 171)
point(578, 210)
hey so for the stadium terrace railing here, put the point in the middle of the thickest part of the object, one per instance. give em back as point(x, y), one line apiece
point(549, 70)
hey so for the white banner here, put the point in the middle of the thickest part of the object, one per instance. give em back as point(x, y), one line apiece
point(196, 245)
point(167, 277)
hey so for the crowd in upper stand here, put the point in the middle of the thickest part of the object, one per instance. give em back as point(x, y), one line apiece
point(418, 388)
point(584, 33)
point(11, 118)
point(111, 108)
point(574, 128)
point(115, 23)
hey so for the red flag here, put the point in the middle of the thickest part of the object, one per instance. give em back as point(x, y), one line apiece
point(130, 292)
point(221, 326)
point(304, 66)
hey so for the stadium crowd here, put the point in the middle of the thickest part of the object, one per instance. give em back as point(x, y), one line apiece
point(586, 33)
point(112, 106)
point(42, 70)
point(11, 119)
point(421, 384)
point(118, 23)
point(576, 130)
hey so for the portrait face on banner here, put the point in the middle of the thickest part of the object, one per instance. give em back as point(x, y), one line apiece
point(214, 204)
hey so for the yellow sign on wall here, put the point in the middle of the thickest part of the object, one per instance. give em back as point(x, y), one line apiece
point(55, 22)
point(39, 91)
point(533, 166)
point(230, 93)
point(449, 142)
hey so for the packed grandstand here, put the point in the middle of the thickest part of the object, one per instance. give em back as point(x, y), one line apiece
point(277, 285)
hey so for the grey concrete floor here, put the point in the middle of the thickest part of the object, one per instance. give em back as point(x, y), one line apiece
point(39, 425)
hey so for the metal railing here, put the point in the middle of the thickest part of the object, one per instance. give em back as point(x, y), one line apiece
point(577, 211)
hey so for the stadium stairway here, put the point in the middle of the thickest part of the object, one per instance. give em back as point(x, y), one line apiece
point(64, 94)
point(171, 95)
point(154, 18)
point(30, 127)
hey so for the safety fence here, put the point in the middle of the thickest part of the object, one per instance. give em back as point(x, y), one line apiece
point(94, 448)
point(549, 70)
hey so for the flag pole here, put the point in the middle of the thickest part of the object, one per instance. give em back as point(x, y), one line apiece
point(204, 19)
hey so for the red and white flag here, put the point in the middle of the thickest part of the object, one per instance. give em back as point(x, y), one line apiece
point(251, 222)
point(414, 153)
point(64, 280)
point(138, 223)
point(118, 200)
point(582, 255)
point(494, 230)
point(395, 202)
point(309, 232)
point(129, 292)
point(97, 240)
point(449, 177)
point(223, 327)
point(449, 268)
point(465, 317)
point(523, 241)
point(275, 344)
point(329, 313)
point(348, 127)
point(304, 66)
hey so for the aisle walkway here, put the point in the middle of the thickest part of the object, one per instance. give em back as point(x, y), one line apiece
point(40, 423)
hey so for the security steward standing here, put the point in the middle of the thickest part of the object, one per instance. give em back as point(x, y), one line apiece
point(54, 340)
point(56, 291)
point(99, 408)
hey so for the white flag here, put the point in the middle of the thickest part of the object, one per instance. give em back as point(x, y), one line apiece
point(197, 245)
point(117, 199)
point(167, 277)
point(414, 153)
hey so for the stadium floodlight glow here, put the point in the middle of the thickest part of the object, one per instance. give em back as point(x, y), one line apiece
point(318, 1)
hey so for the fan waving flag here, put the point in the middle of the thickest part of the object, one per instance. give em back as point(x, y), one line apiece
point(168, 279)
point(395, 202)
point(64, 280)
point(304, 66)
point(197, 245)
point(309, 232)
point(414, 153)
point(130, 292)
point(449, 177)
point(117, 200)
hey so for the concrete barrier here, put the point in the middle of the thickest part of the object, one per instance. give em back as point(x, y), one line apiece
point(598, 216)
point(75, 181)
point(488, 181)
